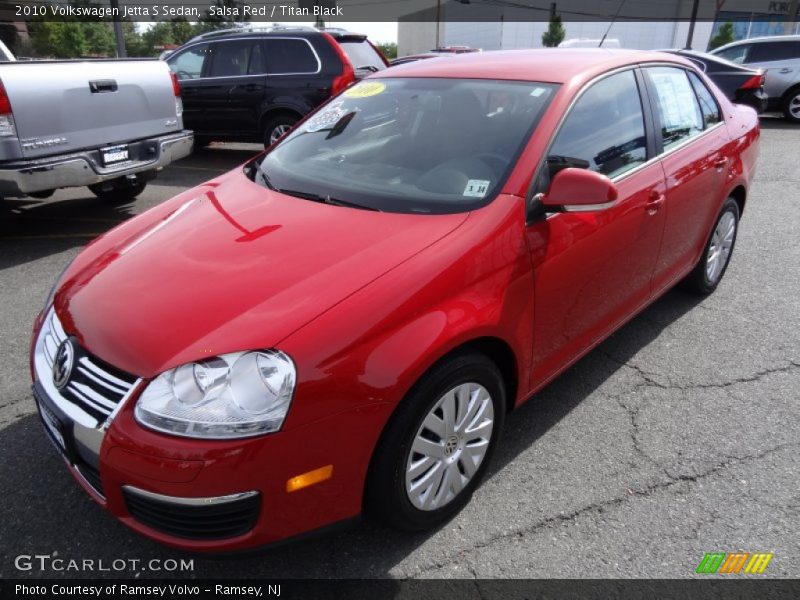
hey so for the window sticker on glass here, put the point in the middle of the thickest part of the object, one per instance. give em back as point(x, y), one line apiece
point(538, 91)
point(365, 89)
point(476, 188)
point(327, 117)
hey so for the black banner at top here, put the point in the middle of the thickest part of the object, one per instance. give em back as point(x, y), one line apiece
point(289, 11)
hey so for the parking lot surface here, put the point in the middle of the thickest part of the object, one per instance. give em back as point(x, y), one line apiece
point(676, 437)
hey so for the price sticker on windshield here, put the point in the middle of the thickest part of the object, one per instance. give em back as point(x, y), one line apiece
point(365, 89)
point(477, 188)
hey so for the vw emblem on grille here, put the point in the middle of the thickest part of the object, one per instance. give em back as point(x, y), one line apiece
point(62, 365)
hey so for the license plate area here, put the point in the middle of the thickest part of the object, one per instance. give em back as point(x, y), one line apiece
point(114, 155)
point(52, 426)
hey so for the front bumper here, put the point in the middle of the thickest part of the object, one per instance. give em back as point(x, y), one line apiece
point(19, 178)
point(206, 496)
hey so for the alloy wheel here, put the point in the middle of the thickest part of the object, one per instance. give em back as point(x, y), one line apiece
point(277, 132)
point(794, 107)
point(449, 446)
point(719, 251)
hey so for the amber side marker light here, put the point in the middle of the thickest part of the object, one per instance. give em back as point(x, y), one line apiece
point(310, 478)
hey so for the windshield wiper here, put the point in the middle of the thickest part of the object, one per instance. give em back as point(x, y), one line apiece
point(262, 179)
point(325, 199)
point(370, 68)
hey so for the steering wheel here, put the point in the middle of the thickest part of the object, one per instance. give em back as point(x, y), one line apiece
point(496, 162)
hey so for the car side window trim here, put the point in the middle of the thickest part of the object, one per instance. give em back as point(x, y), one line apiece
point(652, 127)
point(207, 65)
point(648, 126)
point(657, 119)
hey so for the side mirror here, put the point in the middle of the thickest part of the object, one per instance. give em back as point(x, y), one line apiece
point(579, 188)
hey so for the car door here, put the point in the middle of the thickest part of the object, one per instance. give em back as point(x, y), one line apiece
point(692, 139)
point(593, 269)
point(781, 63)
point(228, 72)
point(247, 94)
point(293, 80)
point(190, 65)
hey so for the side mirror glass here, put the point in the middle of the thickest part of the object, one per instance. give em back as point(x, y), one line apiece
point(579, 189)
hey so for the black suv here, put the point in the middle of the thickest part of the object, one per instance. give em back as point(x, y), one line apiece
point(253, 84)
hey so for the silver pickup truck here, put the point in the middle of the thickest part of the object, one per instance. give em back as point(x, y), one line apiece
point(107, 124)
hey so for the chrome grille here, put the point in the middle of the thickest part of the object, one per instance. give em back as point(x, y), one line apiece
point(94, 386)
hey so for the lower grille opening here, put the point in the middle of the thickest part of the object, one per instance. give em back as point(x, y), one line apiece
point(91, 475)
point(207, 522)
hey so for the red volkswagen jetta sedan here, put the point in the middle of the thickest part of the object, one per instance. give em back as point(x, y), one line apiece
point(342, 323)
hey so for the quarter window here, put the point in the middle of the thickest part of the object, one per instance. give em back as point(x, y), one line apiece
point(772, 51)
point(708, 105)
point(735, 54)
point(678, 109)
point(287, 56)
point(189, 63)
point(605, 129)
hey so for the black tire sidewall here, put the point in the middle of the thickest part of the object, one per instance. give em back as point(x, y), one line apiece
point(731, 206)
point(276, 122)
point(386, 492)
point(790, 95)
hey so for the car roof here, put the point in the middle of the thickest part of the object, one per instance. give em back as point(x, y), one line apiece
point(550, 65)
point(758, 40)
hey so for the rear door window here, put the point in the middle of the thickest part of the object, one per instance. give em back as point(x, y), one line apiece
point(708, 104)
point(678, 110)
point(290, 57)
point(773, 51)
point(230, 58)
point(189, 64)
point(605, 128)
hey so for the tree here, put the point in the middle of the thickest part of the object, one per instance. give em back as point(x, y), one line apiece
point(723, 36)
point(388, 49)
point(555, 32)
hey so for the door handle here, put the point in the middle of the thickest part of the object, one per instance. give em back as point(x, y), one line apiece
point(785, 70)
point(720, 163)
point(654, 203)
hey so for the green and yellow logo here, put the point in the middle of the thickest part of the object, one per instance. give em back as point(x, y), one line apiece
point(734, 562)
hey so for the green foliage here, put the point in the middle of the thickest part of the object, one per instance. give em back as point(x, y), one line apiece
point(388, 49)
point(555, 32)
point(723, 36)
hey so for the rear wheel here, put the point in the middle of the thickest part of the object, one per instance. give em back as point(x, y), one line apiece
point(122, 189)
point(791, 105)
point(706, 276)
point(277, 127)
point(438, 444)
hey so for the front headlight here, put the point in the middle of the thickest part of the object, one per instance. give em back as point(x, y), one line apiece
point(229, 396)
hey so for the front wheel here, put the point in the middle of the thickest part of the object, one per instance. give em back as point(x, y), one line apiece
point(706, 276)
point(438, 444)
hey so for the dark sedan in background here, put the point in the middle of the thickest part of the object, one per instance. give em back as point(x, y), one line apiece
point(740, 84)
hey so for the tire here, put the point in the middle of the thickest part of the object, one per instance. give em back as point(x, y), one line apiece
point(393, 493)
point(276, 127)
point(703, 279)
point(119, 190)
point(790, 105)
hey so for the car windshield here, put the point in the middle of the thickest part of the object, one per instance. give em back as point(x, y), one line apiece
point(409, 144)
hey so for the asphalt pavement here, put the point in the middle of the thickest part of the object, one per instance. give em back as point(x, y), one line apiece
point(676, 437)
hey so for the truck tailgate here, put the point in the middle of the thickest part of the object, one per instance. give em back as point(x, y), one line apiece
point(60, 106)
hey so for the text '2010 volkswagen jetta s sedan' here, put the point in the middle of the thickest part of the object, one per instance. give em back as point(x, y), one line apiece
point(342, 324)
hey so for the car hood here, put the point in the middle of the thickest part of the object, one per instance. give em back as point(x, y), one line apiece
point(229, 266)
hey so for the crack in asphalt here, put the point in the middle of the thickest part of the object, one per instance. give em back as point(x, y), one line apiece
point(673, 481)
point(649, 380)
